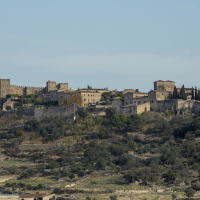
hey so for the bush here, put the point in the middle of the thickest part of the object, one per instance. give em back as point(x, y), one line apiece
point(81, 173)
point(113, 197)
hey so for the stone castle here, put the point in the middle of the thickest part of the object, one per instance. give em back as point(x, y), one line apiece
point(6, 88)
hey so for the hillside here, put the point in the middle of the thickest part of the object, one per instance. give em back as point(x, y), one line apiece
point(148, 156)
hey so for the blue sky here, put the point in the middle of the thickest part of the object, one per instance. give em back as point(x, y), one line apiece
point(113, 43)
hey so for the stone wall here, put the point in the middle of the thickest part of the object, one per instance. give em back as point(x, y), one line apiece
point(40, 113)
point(34, 90)
point(4, 87)
point(15, 89)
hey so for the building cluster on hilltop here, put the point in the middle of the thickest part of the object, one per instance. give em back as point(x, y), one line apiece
point(159, 99)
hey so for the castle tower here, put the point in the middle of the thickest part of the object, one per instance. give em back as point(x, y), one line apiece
point(4, 87)
point(164, 85)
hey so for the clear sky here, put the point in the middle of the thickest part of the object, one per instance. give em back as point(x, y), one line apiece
point(109, 43)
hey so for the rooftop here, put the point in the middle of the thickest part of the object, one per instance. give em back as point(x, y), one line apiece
point(6, 195)
point(130, 105)
point(163, 81)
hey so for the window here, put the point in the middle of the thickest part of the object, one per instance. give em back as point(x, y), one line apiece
point(126, 103)
point(144, 101)
point(134, 101)
point(84, 99)
point(152, 101)
point(139, 102)
point(88, 95)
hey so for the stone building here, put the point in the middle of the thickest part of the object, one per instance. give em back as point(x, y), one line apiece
point(36, 196)
point(9, 197)
point(164, 85)
point(94, 90)
point(86, 97)
point(135, 97)
point(159, 100)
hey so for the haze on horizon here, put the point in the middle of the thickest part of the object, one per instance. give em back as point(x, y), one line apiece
point(115, 44)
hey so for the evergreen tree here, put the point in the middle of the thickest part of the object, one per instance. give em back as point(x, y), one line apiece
point(192, 93)
point(182, 93)
point(175, 93)
point(196, 96)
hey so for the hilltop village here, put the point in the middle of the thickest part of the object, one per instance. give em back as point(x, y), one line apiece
point(126, 102)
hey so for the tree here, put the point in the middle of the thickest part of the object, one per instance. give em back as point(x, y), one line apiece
point(76, 98)
point(135, 121)
point(182, 93)
point(113, 197)
point(71, 176)
point(110, 112)
point(137, 90)
point(189, 192)
point(1, 113)
point(193, 97)
point(89, 87)
point(175, 93)
point(174, 196)
point(81, 173)
point(196, 95)
point(119, 121)
point(8, 108)
point(62, 100)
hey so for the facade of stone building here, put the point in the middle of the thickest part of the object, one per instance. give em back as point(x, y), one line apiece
point(135, 108)
point(9, 197)
point(86, 97)
point(135, 97)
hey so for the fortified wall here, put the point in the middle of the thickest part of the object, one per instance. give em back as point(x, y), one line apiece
point(6, 88)
point(40, 113)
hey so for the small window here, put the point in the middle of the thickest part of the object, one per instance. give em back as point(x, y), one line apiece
point(152, 101)
point(84, 99)
point(88, 95)
point(162, 93)
point(88, 100)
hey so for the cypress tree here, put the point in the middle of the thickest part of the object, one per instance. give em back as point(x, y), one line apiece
point(196, 96)
point(182, 93)
point(192, 93)
point(175, 94)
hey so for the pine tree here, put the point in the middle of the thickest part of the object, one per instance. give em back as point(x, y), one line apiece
point(196, 96)
point(192, 93)
point(175, 94)
point(182, 93)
